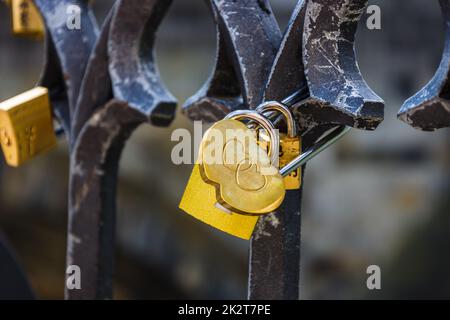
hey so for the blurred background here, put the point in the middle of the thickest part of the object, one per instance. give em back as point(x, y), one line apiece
point(375, 198)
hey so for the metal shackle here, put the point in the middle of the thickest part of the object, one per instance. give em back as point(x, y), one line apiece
point(264, 123)
point(283, 110)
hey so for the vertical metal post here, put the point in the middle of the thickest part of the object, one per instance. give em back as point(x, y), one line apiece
point(121, 90)
point(308, 61)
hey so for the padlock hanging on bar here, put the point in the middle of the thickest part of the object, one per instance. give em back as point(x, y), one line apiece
point(26, 19)
point(26, 126)
point(290, 143)
point(323, 143)
point(200, 198)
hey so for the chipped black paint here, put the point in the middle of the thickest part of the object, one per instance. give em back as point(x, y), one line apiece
point(121, 90)
point(429, 109)
point(67, 55)
point(105, 85)
point(247, 37)
point(338, 92)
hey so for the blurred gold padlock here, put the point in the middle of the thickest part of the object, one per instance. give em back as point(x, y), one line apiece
point(290, 143)
point(26, 19)
point(26, 126)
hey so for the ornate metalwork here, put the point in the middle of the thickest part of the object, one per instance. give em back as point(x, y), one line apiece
point(429, 109)
point(105, 84)
point(315, 60)
point(121, 90)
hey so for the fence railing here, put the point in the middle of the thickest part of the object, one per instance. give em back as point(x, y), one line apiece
point(104, 83)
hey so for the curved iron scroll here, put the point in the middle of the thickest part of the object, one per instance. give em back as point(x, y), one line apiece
point(116, 97)
point(316, 60)
point(338, 93)
point(102, 100)
point(429, 109)
point(247, 40)
point(278, 235)
point(67, 54)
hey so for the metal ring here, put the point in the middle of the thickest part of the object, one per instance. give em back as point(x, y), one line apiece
point(263, 122)
point(284, 110)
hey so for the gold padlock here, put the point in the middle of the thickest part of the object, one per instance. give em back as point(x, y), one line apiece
point(252, 184)
point(290, 143)
point(26, 126)
point(26, 19)
point(201, 201)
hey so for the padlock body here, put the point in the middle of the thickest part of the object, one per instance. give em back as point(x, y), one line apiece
point(290, 148)
point(199, 200)
point(26, 126)
point(245, 179)
point(26, 19)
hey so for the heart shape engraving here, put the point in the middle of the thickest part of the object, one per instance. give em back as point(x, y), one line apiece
point(245, 180)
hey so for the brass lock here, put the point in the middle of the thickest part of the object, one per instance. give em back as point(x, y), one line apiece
point(290, 143)
point(245, 179)
point(199, 200)
point(26, 126)
point(204, 198)
point(26, 19)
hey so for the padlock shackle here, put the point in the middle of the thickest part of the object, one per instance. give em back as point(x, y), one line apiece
point(266, 124)
point(284, 110)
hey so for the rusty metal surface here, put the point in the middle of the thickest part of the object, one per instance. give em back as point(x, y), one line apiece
point(116, 98)
point(429, 109)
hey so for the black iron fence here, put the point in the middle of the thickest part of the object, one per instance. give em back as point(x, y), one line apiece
point(104, 83)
